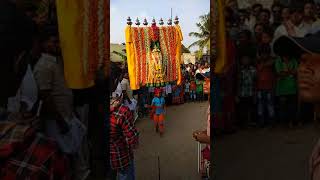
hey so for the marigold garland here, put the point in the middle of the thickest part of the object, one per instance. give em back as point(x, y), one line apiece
point(154, 69)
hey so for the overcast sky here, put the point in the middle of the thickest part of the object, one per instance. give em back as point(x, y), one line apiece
point(188, 12)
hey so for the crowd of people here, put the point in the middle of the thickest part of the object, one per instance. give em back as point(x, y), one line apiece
point(258, 87)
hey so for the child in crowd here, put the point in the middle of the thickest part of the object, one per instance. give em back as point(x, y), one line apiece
point(266, 36)
point(187, 90)
point(286, 88)
point(143, 99)
point(193, 88)
point(265, 84)
point(158, 106)
point(199, 91)
point(151, 92)
point(246, 90)
point(168, 94)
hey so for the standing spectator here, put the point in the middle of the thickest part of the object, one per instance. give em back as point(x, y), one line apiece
point(258, 29)
point(125, 86)
point(193, 88)
point(286, 87)
point(309, 16)
point(276, 15)
point(294, 27)
point(199, 91)
point(256, 9)
point(59, 121)
point(265, 83)
point(264, 17)
point(266, 37)
point(206, 68)
point(169, 93)
point(242, 20)
point(187, 90)
point(188, 68)
point(246, 87)
point(245, 46)
point(285, 15)
point(123, 139)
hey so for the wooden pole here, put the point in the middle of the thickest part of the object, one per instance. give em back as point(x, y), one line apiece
point(159, 166)
point(171, 15)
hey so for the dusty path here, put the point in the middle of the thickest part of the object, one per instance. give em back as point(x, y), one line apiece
point(264, 154)
point(177, 149)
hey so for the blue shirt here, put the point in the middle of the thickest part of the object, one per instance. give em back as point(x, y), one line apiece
point(158, 102)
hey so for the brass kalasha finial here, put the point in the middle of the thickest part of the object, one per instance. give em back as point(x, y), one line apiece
point(170, 21)
point(161, 22)
point(137, 22)
point(145, 22)
point(154, 22)
point(129, 22)
point(176, 20)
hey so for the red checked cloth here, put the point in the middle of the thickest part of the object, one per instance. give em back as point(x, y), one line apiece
point(40, 161)
point(14, 137)
point(123, 137)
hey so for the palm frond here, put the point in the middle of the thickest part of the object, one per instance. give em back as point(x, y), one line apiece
point(203, 35)
point(124, 57)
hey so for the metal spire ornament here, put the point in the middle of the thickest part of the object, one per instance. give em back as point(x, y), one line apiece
point(137, 22)
point(129, 22)
point(161, 22)
point(170, 22)
point(145, 22)
point(176, 20)
point(154, 22)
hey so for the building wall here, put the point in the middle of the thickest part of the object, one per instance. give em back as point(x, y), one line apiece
point(187, 58)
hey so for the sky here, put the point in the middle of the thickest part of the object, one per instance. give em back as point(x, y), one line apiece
point(188, 12)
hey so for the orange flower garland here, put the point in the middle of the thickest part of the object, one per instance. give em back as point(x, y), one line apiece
point(152, 69)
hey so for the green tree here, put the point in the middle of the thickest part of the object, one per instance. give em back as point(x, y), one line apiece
point(185, 49)
point(203, 35)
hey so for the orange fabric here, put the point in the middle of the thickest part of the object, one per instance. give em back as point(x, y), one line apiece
point(158, 121)
point(179, 53)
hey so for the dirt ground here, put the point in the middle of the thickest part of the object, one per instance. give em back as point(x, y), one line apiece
point(280, 153)
point(177, 149)
point(265, 154)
